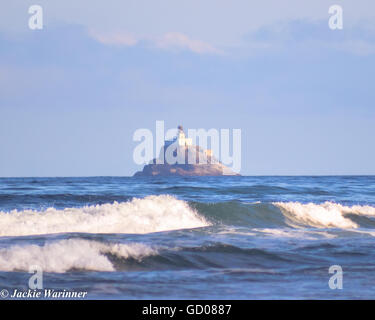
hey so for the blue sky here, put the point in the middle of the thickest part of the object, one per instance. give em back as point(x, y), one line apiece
point(72, 94)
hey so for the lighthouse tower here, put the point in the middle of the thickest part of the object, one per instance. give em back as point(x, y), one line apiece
point(181, 138)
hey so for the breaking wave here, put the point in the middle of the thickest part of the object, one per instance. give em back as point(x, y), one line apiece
point(288, 214)
point(75, 255)
point(150, 214)
point(70, 254)
point(325, 215)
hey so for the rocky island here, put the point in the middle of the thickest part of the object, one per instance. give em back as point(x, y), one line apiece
point(192, 160)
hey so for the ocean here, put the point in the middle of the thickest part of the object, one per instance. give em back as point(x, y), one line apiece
point(190, 237)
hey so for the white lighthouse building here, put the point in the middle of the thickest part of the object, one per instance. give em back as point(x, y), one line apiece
point(180, 139)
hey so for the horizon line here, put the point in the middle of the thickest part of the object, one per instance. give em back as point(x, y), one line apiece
point(255, 175)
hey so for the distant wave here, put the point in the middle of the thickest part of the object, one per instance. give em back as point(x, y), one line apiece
point(150, 214)
point(65, 197)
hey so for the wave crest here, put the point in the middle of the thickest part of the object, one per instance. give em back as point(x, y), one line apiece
point(150, 214)
point(326, 215)
point(70, 254)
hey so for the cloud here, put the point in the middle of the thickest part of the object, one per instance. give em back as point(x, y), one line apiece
point(170, 41)
point(179, 41)
point(117, 38)
point(312, 36)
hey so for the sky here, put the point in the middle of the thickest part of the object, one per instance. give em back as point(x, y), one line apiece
point(73, 93)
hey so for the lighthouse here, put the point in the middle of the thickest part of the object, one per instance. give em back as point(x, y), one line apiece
point(181, 138)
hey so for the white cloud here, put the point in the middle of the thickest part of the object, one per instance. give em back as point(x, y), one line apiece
point(169, 41)
point(117, 38)
point(176, 40)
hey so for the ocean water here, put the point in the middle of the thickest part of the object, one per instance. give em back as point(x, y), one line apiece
point(190, 238)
